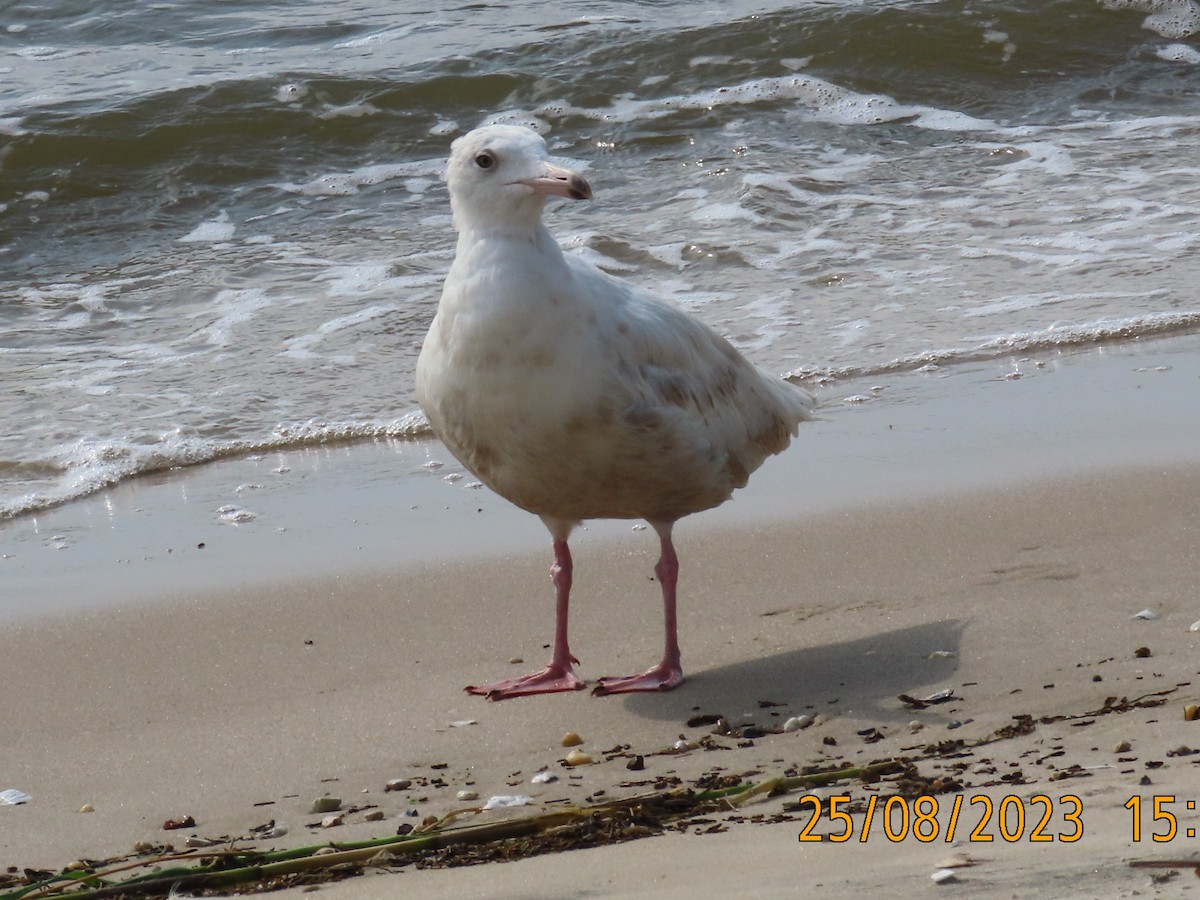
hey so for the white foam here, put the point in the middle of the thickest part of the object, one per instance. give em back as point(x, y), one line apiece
point(212, 231)
point(341, 184)
point(1173, 19)
point(1182, 53)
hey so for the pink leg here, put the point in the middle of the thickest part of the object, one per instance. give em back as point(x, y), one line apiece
point(668, 673)
point(558, 676)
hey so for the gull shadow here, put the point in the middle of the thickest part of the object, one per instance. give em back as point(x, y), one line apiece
point(861, 677)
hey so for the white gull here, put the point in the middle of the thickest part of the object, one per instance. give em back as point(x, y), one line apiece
point(576, 395)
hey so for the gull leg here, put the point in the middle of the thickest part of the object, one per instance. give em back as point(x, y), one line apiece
point(668, 673)
point(559, 675)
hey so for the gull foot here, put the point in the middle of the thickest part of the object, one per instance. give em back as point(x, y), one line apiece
point(661, 678)
point(549, 680)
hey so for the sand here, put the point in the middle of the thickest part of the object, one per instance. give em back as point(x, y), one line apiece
point(993, 535)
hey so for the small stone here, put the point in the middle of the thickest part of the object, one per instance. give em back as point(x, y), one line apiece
point(1191, 712)
point(325, 851)
point(914, 726)
point(829, 740)
point(331, 821)
point(683, 746)
point(1142, 652)
point(516, 661)
point(637, 764)
point(375, 815)
point(578, 758)
point(956, 861)
point(1145, 780)
point(182, 822)
point(1123, 747)
point(468, 795)
point(1181, 750)
point(571, 739)
point(795, 723)
point(943, 876)
point(77, 865)
point(86, 808)
point(326, 805)
point(398, 784)
point(143, 847)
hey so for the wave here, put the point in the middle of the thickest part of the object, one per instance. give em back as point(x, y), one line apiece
point(1054, 338)
point(88, 465)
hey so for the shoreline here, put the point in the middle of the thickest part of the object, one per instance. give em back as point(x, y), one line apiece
point(373, 507)
point(982, 566)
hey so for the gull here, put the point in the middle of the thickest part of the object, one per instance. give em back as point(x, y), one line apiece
point(576, 395)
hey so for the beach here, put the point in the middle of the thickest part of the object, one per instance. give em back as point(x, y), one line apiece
point(994, 532)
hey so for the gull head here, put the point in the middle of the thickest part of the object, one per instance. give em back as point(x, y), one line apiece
point(501, 175)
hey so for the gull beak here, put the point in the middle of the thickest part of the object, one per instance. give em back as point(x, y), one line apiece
point(555, 181)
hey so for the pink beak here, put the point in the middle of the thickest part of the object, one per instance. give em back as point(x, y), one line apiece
point(556, 181)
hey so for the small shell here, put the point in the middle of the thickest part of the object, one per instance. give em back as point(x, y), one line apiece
point(325, 851)
point(546, 777)
point(942, 876)
point(571, 739)
point(77, 865)
point(578, 758)
point(1147, 614)
point(795, 723)
point(683, 745)
point(468, 795)
point(87, 807)
point(1123, 747)
point(1191, 712)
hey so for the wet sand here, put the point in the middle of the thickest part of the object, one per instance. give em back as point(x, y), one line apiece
point(984, 533)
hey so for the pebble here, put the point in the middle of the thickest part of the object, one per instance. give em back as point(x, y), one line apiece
point(375, 815)
point(398, 784)
point(914, 726)
point(571, 739)
point(956, 861)
point(683, 745)
point(326, 804)
point(331, 821)
point(325, 851)
point(1191, 712)
point(1123, 747)
point(578, 758)
point(143, 847)
point(468, 795)
point(516, 661)
point(77, 865)
point(1142, 653)
point(795, 723)
point(87, 807)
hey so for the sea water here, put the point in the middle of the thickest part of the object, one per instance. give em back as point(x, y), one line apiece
point(223, 227)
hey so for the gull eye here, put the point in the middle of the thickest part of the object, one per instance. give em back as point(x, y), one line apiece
point(485, 160)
